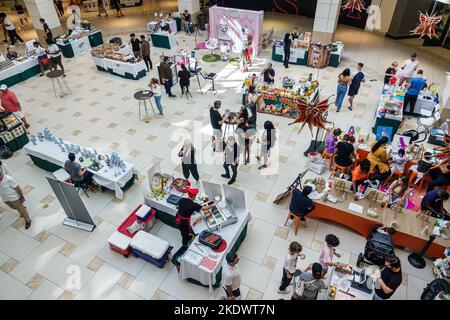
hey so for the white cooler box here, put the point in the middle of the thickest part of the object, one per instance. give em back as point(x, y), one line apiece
point(151, 248)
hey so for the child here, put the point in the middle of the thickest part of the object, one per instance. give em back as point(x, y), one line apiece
point(399, 160)
point(422, 167)
point(290, 265)
point(328, 252)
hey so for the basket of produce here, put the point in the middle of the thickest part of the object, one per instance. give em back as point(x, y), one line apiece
point(181, 185)
point(210, 239)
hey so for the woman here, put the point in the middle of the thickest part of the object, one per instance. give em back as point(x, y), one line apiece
point(397, 192)
point(55, 56)
point(267, 142)
point(253, 98)
point(242, 116)
point(440, 175)
point(344, 154)
point(42, 56)
point(287, 49)
point(390, 72)
point(184, 76)
point(360, 174)
point(331, 140)
point(247, 134)
point(344, 81)
point(379, 159)
point(155, 88)
point(188, 163)
point(115, 4)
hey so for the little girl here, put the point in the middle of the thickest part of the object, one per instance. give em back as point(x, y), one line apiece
point(290, 265)
point(422, 167)
point(399, 160)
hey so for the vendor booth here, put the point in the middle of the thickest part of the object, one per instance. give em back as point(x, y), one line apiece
point(19, 70)
point(79, 43)
point(164, 39)
point(12, 132)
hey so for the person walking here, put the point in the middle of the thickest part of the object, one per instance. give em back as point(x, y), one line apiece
point(145, 53)
point(357, 78)
point(20, 12)
point(414, 87)
point(155, 88)
point(216, 124)
point(10, 103)
point(12, 195)
point(344, 80)
point(101, 8)
point(231, 278)
point(267, 142)
point(10, 28)
point(135, 45)
point(248, 133)
point(42, 56)
point(55, 57)
point(184, 76)
point(59, 7)
point(287, 49)
point(290, 266)
point(166, 76)
point(408, 68)
point(231, 152)
point(188, 163)
point(253, 99)
point(48, 32)
point(115, 4)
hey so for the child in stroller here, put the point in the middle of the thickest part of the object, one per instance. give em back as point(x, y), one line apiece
point(378, 247)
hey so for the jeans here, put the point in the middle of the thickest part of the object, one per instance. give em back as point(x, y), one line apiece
point(233, 168)
point(158, 104)
point(190, 169)
point(410, 101)
point(340, 95)
point(287, 56)
point(168, 86)
point(285, 281)
point(148, 62)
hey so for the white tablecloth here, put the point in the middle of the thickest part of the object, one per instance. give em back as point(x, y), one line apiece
point(79, 46)
point(119, 67)
point(18, 68)
point(51, 152)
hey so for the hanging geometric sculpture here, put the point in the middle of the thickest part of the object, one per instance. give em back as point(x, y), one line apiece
point(353, 5)
point(427, 26)
point(311, 114)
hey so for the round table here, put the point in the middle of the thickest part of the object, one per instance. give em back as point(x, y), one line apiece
point(230, 121)
point(144, 96)
point(57, 75)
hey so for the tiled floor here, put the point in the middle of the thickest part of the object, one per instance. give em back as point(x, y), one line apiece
point(41, 263)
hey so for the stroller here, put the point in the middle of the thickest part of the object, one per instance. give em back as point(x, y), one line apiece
point(378, 247)
point(437, 287)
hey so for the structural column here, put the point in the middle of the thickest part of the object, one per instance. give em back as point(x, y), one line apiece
point(325, 21)
point(45, 9)
point(193, 6)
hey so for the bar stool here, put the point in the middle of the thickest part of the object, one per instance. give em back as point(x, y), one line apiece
point(59, 82)
point(143, 96)
point(296, 221)
point(337, 167)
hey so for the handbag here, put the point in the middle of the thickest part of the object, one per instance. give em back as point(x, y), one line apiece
point(43, 59)
point(5, 152)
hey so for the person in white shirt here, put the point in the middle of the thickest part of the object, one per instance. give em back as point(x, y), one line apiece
point(10, 28)
point(290, 266)
point(155, 88)
point(5, 168)
point(408, 68)
point(55, 56)
point(12, 195)
point(231, 278)
point(42, 56)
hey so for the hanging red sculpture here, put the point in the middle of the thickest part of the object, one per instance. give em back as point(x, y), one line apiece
point(312, 114)
point(427, 25)
point(352, 5)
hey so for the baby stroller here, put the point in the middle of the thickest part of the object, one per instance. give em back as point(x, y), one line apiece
point(436, 287)
point(378, 247)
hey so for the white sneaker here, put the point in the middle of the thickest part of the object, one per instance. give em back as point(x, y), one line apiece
point(285, 291)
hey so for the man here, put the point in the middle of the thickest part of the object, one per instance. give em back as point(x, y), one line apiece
point(10, 103)
point(145, 52)
point(10, 28)
point(389, 278)
point(295, 34)
point(357, 78)
point(187, 21)
point(231, 278)
point(77, 174)
point(408, 68)
point(20, 12)
point(11, 54)
point(48, 32)
point(186, 208)
point(135, 45)
point(166, 76)
point(301, 204)
point(231, 153)
point(101, 8)
point(433, 201)
point(216, 123)
point(312, 277)
point(269, 75)
point(414, 87)
point(12, 195)
point(59, 7)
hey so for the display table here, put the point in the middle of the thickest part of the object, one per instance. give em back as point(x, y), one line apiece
point(125, 70)
point(75, 48)
point(14, 136)
point(164, 40)
point(298, 55)
point(423, 103)
point(409, 230)
point(21, 71)
point(96, 38)
point(342, 283)
point(48, 156)
point(172, 25)
point(233, 234)
point(383, 120)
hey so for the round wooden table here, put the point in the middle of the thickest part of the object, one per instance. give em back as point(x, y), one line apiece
point(143, 96)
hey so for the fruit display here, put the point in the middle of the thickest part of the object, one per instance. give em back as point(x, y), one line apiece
point(181, 185)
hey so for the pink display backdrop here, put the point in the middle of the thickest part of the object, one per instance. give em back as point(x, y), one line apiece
point(236, 19)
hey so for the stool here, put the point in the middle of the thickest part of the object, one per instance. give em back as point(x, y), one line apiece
point(62, 175)
point(337, 167)
point(58, 77)
point(326, 155)
point(296, 221)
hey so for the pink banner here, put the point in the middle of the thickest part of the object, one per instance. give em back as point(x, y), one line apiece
point(233, 25)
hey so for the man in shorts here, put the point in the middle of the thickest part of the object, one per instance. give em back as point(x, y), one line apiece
point(216, 123)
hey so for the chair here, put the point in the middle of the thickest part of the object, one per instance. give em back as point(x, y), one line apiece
point(296, 221)
point(336, 167)
point(211, 44)
point(80, 185)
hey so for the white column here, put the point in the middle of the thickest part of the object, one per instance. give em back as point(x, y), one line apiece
point(325, 20)
point(193, 6)
point(45, 9)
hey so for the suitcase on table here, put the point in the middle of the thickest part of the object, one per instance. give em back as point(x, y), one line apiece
point(151, 248)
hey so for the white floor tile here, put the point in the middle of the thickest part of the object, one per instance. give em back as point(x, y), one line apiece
point(254, 275)
point(46, 291)
point(100, 284)
point(257, 241)
point(120, 293)
point(415, 288)
point(16, 245)
point(131, 265)
point(149, 280)
point(12, 289)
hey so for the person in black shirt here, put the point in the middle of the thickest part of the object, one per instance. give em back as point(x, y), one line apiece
point(188, 163)
point(301, 204)
point(389, 278)
point(135, 45)
point(187, 207)
point(295, 34)
point(184, 76)
point(11, 54)
point(186, 16)
point(344, 153)
point(48, 32)
point(216, 123)
point(231, 152)
point(287, 49)
point(20, 12)
point(268, 74)
point(390, 72)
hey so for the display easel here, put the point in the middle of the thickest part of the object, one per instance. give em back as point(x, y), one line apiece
point(297, 183)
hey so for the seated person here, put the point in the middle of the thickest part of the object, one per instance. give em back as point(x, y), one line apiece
point(370, 182)
point(313, 282)
point(360, 174)
point(332, 140)
point(440, 175)
point(11, 54)
point(398, 161)
point(422, 167)
point(77, 174)
point(397, 192)
point(344, 154)
point(300, 204)
point(379, 159)
point(433, 201)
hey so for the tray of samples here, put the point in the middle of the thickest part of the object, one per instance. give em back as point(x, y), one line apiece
point(216, 218)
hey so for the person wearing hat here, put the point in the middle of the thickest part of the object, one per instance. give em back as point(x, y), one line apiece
point(186, 208)
point(312, 283)
point(216, 124)
point(408, 68)
point(10, 103)
point(414, 87)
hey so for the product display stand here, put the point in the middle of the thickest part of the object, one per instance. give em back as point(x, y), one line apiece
point(295, 184)
point(416, 259)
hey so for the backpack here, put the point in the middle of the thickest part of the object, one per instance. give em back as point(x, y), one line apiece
point(5, 152)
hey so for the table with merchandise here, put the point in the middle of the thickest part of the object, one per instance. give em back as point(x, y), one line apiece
point(13, 72)
point(71, 46)
point(12, 132)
